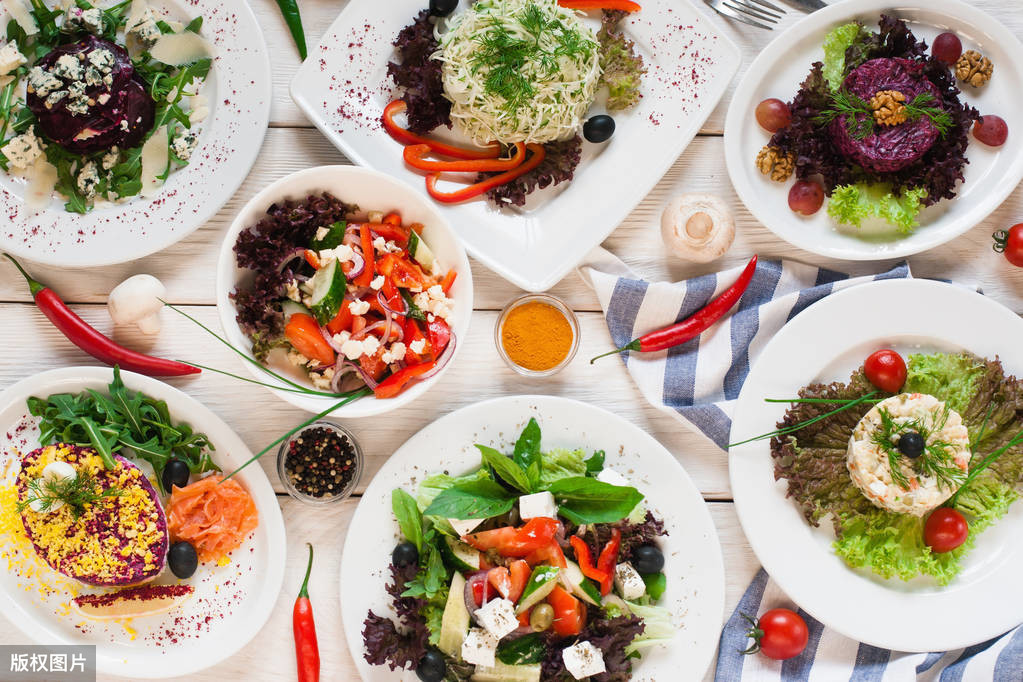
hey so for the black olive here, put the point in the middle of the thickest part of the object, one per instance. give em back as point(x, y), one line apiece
point(175, 473)
point(911, 444)
point(647, 559)
point(599, 128)
point(432, 667)
point(182, 559)
point(442, 8)
point(405, 554)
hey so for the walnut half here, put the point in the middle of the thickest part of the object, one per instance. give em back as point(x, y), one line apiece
point(889, 107)
point(775, 163)
point(974, 68)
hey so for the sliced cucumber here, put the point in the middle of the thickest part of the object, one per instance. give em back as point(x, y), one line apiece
point(418, 249)
point(502, 672)
point(459, 555)
point(328, 286)
point(333, 238)
point(454, 623)
point(579, 585)
point(541, 583)
point(290, 308)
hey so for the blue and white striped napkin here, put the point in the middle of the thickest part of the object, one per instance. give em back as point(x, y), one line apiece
point(699, 381)
point(830, 657)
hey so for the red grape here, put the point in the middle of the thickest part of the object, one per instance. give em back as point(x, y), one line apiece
point(806, 197)
point(773, 115)
point(991, 130)
point(947, 48)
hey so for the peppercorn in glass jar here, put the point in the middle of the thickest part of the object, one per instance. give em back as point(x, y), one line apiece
point(320, 464)
point(537, 335)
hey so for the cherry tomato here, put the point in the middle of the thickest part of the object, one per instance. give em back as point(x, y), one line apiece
point(779, 634)
point(886, 369)
point(945, 529)
point(1010, 242)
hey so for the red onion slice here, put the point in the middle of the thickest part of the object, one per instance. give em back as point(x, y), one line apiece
point(297, 252)
point(358, 265)
point(329, 338)
point(387, 306)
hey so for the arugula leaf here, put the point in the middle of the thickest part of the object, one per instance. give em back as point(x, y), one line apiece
point(406, 511)
point(472, 500)
point(195, 25)
point(504, 467)
point(433, 574)
point(527, 447)
point(595, 464)
point(587, 500)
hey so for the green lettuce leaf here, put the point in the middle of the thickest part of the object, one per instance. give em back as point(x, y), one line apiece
point(852, 204)
point(835, 45)
point(561, 463)
point(951, 378)
point(657, 627)
point(622, 68)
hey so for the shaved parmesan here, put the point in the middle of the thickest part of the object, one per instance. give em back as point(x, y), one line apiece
point(4, 80)
point(178, 49)
point(42, 178)
point(155, 156)
point(21, 14)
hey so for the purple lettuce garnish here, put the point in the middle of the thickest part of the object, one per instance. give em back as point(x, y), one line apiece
point(382, 640)
point(610, 635)
point(558, 166)
point(419, 76)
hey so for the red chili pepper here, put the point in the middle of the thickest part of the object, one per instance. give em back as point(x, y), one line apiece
point(695, 324)
point(607, 560)
point(394, 384)
point(93, 342)
point(585, 559)
point(307, 651)
point(479, 188)
point(415, 156)
point(406, 138)
point(624, 5)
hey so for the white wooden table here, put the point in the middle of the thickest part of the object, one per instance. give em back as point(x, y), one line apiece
point(291, 144)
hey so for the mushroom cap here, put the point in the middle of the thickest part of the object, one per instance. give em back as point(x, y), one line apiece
point(697, 227)
point(136, 298)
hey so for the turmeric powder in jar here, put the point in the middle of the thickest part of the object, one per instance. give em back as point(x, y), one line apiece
point(537, 334)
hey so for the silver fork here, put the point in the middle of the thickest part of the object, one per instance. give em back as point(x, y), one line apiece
point(759, 13)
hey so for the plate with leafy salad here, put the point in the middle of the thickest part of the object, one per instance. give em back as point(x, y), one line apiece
point(886, 131)
point(877, 461)
point(532, 538)
point(115, 118)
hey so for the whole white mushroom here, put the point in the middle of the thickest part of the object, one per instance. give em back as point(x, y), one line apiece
point(697, 227)
point(136, 301)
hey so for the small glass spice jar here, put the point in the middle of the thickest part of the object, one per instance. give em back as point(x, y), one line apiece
point(537, 335)
point(320, 464)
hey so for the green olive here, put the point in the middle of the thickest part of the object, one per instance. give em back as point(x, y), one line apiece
point(541, 618)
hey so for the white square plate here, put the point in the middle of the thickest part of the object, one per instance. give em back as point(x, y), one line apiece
point(343, 88)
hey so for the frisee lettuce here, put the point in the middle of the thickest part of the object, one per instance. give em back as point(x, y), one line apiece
point(852, 204)
point(835, 45)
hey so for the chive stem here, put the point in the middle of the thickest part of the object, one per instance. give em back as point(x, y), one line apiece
point(802, 425)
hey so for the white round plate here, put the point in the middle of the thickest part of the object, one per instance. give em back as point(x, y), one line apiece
point(238, 93)
point(991, 175)
point(696, 579)
point(231, 602)
point(371, 191)
point(825, 343)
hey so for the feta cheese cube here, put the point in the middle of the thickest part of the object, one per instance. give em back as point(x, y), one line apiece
point(464, 526)
point(582, 659)
point(417, 346)
point(378, 282)
point(352, 349)
point(538, 504)
point(23, 150)
point(370, 345)
point(395, 353)
point(628, 582)
point(612, 477)
point(479, 647)
point(358, 307)
point(321, 232)
point(10, 58)
point(498, 617)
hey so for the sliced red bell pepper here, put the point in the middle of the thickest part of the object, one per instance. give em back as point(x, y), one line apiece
point(524, 618)
point(500, 578)
point(311, 258)
point(393, 218)
point(369, 269)
point(449, 280)
point(569, 612)
point(342, 321)
point(516, 542)
point(395, 384)
point(624, 5)
point(549, 554)
point(585, 560)
point(415, 156)
point(483, 186)
point(412, 334)
point(440, 335)
point(406, 138)
point(395, 233)
point(608, 559)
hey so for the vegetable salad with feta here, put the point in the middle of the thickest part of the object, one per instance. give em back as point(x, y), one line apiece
point(98, 103)
point(536, 566)
point(348, 303)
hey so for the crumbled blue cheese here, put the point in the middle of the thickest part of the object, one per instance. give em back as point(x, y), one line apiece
point(23, 150)
point(88, 179)
point(78, 101)
point(464, 526)
point(144, 28)
point(102, 59)
point(183, 145)
point(582, 660)
point(498, 617)
point(479, 648)
point(628, 582)
point(68, 66)
point(42, 82)
point(111, 158)
point(54, 98)
point(10, 58)
point(537, 505)
point(88, 20)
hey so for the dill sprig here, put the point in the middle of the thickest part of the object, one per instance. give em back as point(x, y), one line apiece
point(75, 493)
point(859, 118)
point(936, 460)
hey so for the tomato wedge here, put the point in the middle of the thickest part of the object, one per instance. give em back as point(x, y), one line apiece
point(569, 612)
point(342, 321)
point(440, 335)
point(516, 542)
point(510, 581)
point(549, 554)
point(304, 334)
point(406, 138)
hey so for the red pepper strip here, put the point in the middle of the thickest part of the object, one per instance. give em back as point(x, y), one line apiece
point(448, 281)
point(311, 258)
point(307, 651)
point(479, 188)
point(607, 560)
point(585, 559)
point(695, 324)
point(624, 5)
point(369, 270)
point(415, 156)
point(406, 138)
point(394, 384)
point(93, 342)
point(393, 219)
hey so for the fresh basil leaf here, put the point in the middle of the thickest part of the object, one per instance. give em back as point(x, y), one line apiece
point(509, 471)
point(522, 650)
point(527, 447)
point(533, 474)
point(406, 511)
point(595, 464)
point(471, 500)
point(587, 500)
point(436, 572)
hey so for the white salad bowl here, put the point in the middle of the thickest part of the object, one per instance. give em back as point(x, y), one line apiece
point(370, 191)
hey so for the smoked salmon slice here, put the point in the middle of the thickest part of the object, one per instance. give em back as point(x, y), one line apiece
point(215, 517)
